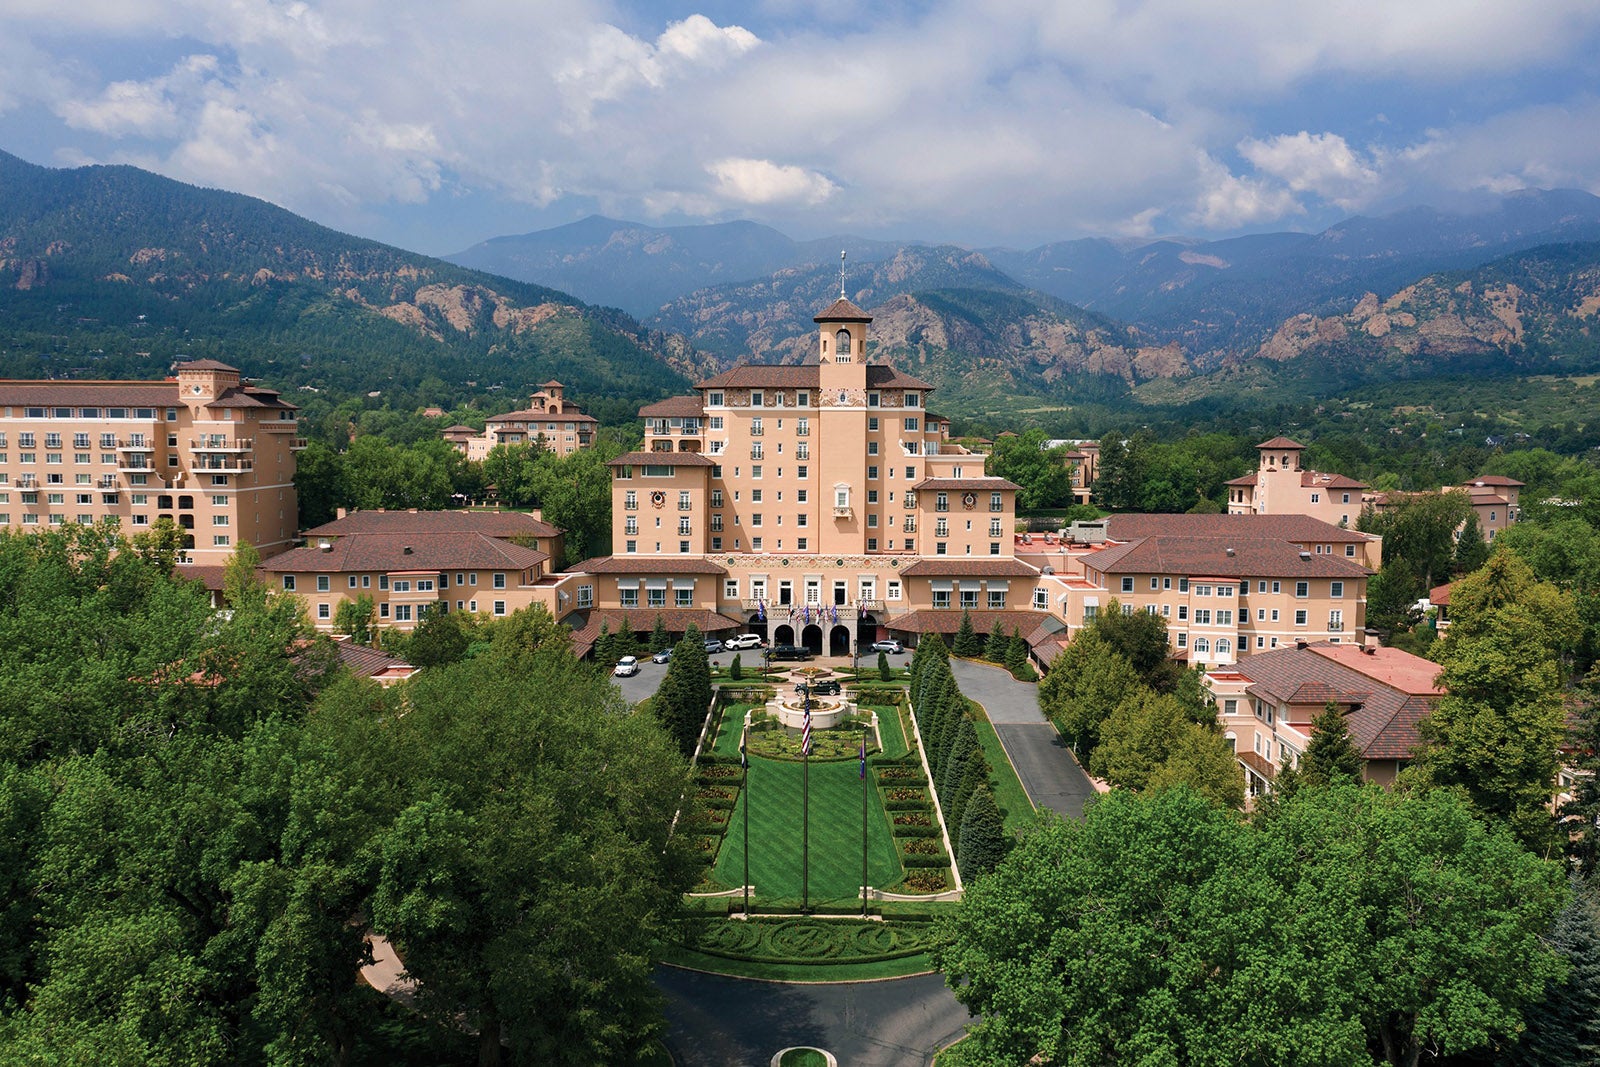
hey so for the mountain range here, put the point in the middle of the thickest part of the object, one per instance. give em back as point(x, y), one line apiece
point(113, 271)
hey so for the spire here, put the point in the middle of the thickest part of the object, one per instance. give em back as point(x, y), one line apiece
point(841, 274)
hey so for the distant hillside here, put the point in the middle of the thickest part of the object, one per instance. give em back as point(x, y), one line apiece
point(1222, 298)
point(113, 270)
point(1536, 311)
point(641, 268)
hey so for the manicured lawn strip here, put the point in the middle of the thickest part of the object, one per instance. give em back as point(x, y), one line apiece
point(803, 1057)
point(1008, 792)
point(775, 832)
point(889, 728)
point(727, 741)
point(798, 972)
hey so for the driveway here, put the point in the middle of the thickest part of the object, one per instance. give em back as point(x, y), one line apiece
point(644, 684)
point(1043, 761)
point(714, 1021)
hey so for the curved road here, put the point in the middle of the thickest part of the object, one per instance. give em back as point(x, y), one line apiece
point(715, 1021)
point(1043, 761)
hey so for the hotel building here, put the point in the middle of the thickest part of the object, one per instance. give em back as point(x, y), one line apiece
point(549, 420)
point(818, 505)
point(204, 449)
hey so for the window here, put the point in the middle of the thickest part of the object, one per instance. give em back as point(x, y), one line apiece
point(894, 589)
point(324, 611)
point(683, 598)
point(997, 599)
point(499, 580)
point(1300, 617)
point(969, 598)
point(219, 540)
point(401, 585)
point(913, 425)
point(1274, 614)
point(1224, 617)
point(628, 598)
point(1336, 619)
point(1350, 550)
point(1202, 616)
point(1127, 585)
point(1183, 640)
point(1336, 590)
point(1302, 589)
point(288, 583)
point(874, 400)
point(1201, 646)
point(499, 607)
point(755, 402)
point(941, 598)
point(1041, 599)
point(1183, 612)
point(656, 598)
point(714, 400)
point(322, 583)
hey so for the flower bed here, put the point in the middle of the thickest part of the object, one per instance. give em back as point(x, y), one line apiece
point(812, 941)
point(926, 881)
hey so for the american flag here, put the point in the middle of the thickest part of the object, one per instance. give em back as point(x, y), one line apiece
point(805, 730)
point(744, 755)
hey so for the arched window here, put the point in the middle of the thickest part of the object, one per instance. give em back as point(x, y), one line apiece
point(841, 343)
point(1201, 646)
point(1224, 646)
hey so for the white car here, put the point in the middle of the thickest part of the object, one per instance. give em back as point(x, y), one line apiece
point(742, 641)
point(626, 667)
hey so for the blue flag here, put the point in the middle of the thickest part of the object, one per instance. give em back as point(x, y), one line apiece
point(863, 756)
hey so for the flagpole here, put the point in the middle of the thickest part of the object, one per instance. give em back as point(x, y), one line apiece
point(805, 809)
point(864, 728)
point(744, 761)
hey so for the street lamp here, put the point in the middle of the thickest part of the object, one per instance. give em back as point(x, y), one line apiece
point(766, 667)
point(855, 655)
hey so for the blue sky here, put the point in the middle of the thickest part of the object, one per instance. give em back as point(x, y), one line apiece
point(1013, 122)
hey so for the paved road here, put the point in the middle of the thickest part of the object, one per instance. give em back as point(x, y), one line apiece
point(715, 1021)
point(1043, 761)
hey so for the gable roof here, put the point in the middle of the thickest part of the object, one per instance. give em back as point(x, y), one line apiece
point(488, 523)
point(1280, 443)
point(802, 376)
point(1220, 557)
point(661, 459)
point(842, 310)
point(1302, 529)
point(390, 552)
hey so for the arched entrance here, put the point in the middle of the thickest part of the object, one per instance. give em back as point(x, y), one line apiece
point(866, 630)
point(811, 637)
point(757, 625)
point(783, 635)
point(839, 641)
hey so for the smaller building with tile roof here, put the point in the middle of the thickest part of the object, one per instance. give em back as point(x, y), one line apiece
point(1282, 485)
point(1266, 704)
point(550, 421)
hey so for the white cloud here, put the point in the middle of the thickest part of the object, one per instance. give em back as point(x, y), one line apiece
point(1322, 164)
point(761, 181)
point(1015, 120)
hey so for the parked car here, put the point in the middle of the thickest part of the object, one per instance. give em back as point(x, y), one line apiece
point(713, 646)
point(740, 641)
point(790, 652)
point(827, 688)
point(887, 646)
point(626, 667)
point(664, 656)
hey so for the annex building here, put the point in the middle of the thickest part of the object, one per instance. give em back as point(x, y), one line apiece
point(202, 448)
point(550, 421)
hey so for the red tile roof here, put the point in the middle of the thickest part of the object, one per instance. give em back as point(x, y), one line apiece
point(648, 565)
point(1384, 724)
point(661, 459)
point(676, 620)
point(948, 621)
point(674, 407)
point(987, 484)
point(505, 524)
point(1493, 479)
point(1321, 480)
point(204, 364)
point(367, 662)
point(1298, 528)
point(969, 567)
point(32, 393)
point(1439, 595)
point(1280, 443)
point(1210, 557)
point(385, 552)
point(532, 415)
point(842, 310)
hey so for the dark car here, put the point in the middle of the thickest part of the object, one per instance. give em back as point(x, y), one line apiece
point(713, 645)
point(829, 688)
point(790, 652)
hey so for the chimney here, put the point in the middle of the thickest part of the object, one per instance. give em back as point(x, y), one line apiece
point(325, 546)
point(1304, 554)
point(1300, 644)
point(1230, 552)
point(407, 550)
point(341, 513)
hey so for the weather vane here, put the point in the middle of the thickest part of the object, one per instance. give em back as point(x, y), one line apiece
point(841, 274)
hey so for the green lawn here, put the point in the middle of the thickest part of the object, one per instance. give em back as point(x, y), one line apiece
point(889, 728)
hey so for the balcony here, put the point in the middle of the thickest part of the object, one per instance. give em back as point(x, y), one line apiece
point(135, 445)
point(684, 505)
point(756, 431)
point(136, 465)
point(842, 511)
point(27, 481)
point(219, 443)
point(297, 445)
point(225, 465)
point(910, 526)
point(997, 507)
point(107, 481)
point(802, 431)
point(756, 453)
point(945, 506)
point(278, 426)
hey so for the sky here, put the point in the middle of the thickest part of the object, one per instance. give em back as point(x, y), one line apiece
point(1011, 122)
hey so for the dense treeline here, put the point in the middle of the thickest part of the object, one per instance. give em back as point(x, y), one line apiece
point(202, 815)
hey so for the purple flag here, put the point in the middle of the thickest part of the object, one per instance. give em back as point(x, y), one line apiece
point(761, 610)
point(863, 754)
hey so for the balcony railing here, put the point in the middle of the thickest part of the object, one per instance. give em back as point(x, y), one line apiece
point(107, 481)
point(842, 511)
point(131, 445)
point(802, 431)
point(221, 444)
point(685, 505)
point(756, 431)
point(136, 464)
point(226, 465)
point(756, 453)
point(297, 445)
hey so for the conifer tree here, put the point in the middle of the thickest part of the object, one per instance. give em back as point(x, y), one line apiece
point(983, 836)
point(994, 650)
point(1016, 652)
point(660, 640)
point(1563, 1028)
point(605, 646)
point(968, 643)
point(885, 674)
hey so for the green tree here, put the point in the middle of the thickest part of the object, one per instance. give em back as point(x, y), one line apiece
point(983, 836)
point(1016, 660)
point(439, 639)
point(885, 674)
point(685, 692)
point(994, 649)
point(1471, 550)
point(1581, 813)
point(355, 617)
point(1563, 1026)
point(1141, 638)
point(736, 669)
point(660, 640)
point(1043, 476)
point(967, 643)
point(1418, 531)
point(320, 484)
point(1392, 595)
point(532, 908)
point(1085, 684)
point(510, 469)
point(1149, 742)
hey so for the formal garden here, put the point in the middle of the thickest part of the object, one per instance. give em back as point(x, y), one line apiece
point(812, 924)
